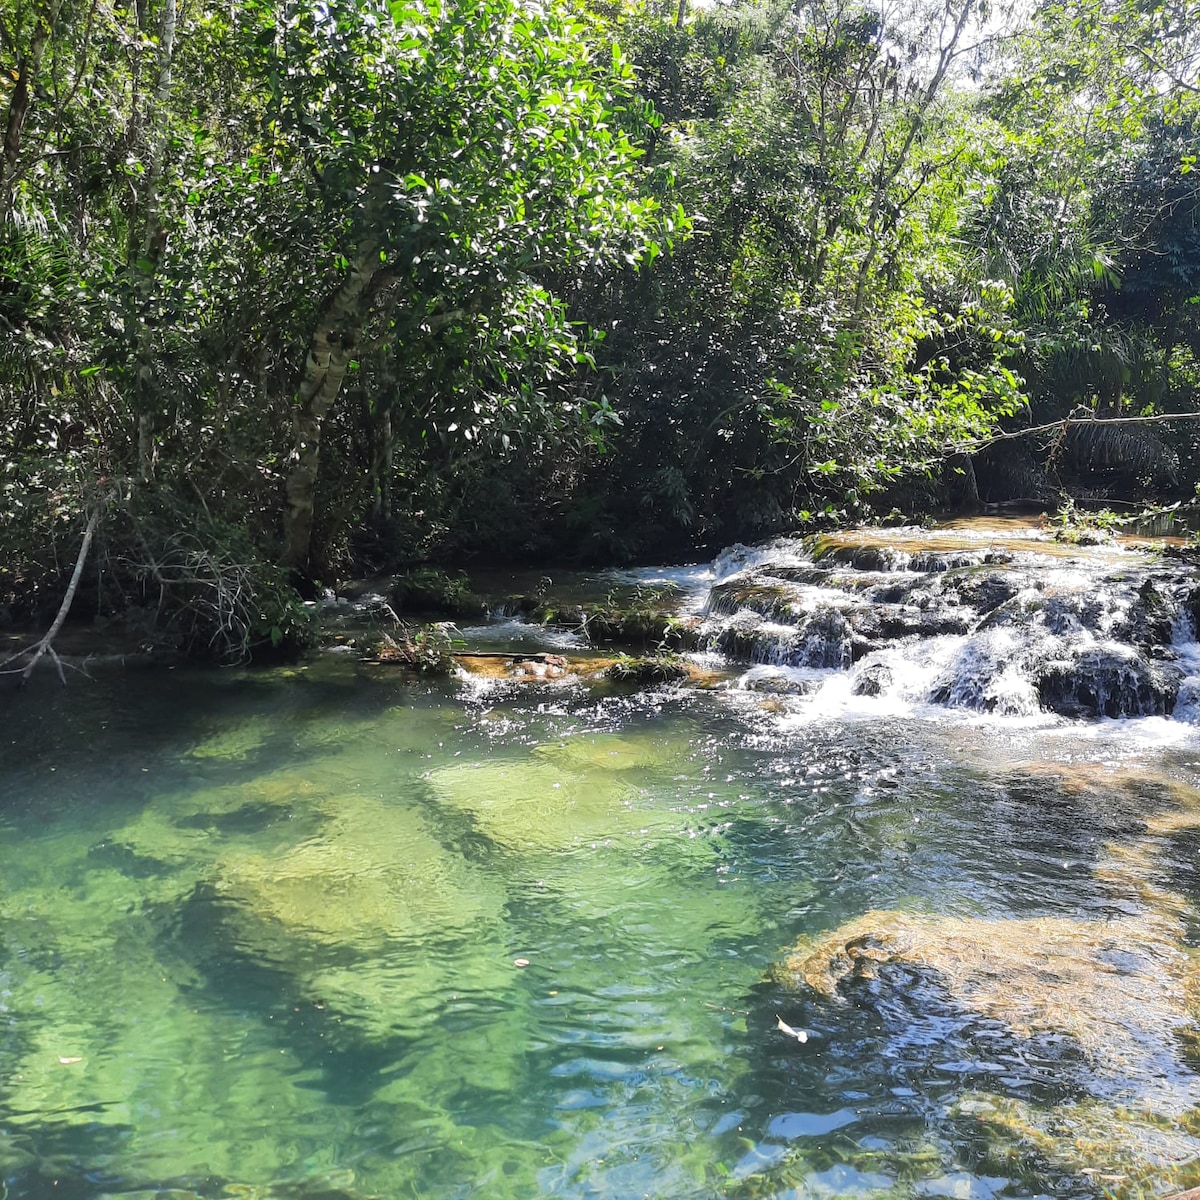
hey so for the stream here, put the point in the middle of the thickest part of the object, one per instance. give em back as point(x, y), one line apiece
point(333, 931)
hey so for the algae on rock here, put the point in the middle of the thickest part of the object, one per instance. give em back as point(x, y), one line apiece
point(536, 805)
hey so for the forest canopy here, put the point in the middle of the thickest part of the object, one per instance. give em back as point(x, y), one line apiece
point(291, 290)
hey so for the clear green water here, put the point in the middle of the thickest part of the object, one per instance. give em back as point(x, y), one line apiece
point(258, 932)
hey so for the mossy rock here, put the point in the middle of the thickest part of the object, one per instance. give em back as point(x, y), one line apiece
point(373, 873)
point(647, 670)
point(235, 744)
point(614, 752)
point(640, 627)
point(1123, 1152)
point(1043, 975)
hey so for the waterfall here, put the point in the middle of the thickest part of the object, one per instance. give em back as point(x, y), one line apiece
point(1010, 623)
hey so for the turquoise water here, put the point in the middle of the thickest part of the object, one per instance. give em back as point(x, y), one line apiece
point(322, 932)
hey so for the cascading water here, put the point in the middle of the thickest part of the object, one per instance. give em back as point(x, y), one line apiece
point(1013, 624)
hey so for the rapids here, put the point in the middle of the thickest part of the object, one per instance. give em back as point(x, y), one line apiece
point(997, 620)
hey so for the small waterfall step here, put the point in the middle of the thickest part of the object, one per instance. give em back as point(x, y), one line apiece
point(1003, 620)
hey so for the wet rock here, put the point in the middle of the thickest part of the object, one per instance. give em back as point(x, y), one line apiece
point(1152, 617)
point(1113, 681)
point(822, 638)
point(928, 618)
point(872, 680)
point(985, 591)
point(829, 550)
point(1076, 612)
point(772, 600)
point(932, 561)
point(1042, 975)
point(1019, 609)
point(1085, 634)
point(892, 593)
point(779, 681)
point(825, 640)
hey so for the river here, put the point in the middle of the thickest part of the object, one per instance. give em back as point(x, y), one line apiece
point(332, 931)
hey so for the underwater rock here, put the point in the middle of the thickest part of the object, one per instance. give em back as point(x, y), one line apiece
point(535, 805)
point(614, 752)
point(374, 872)
point(1122, 990)
point(777, 681)
point(1119, 1151)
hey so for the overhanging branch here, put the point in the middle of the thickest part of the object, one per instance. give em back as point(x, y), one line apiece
point(974, 445)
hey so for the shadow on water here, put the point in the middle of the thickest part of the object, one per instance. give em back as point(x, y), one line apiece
point(124, 738)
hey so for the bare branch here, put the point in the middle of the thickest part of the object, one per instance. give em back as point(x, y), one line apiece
point(46, 645)
point(974, 445)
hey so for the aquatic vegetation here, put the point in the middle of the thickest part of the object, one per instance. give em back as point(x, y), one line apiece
point(1122, 1152)
point(647, 670)
point(239, 742)
point(425, 649)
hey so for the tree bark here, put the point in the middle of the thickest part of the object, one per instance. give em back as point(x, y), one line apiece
point(330, 351)
point(968, 498)
point(46, 645)
point(381, 465)
point(146, 245)
point(28, 68)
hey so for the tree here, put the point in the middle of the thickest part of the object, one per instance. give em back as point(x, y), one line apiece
point(461, 155)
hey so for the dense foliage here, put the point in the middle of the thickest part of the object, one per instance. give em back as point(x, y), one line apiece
point(312, 288)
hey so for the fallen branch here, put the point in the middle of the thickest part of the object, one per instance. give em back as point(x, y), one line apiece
point(1061, 427)
point(510, 655)
point(46, 645)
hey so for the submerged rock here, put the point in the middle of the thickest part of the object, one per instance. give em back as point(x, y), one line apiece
point(1123, 991)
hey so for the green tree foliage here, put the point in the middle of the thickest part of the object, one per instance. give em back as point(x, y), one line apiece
point(821, 335)
point(215, 217)
point(357, 283)
point(1091, 222)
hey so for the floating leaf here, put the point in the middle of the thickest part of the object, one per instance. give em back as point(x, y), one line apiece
point(799, 1034)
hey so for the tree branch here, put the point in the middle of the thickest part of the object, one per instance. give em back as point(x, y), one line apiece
point(974, 445)
point(46, 645)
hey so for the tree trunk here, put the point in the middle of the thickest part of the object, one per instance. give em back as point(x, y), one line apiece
point(146, 245)
point(330, 352)
point(46, 645)
point(28, 68)
point(967, 499)
point(381, 465)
